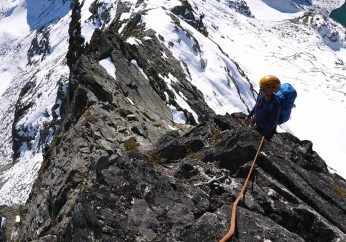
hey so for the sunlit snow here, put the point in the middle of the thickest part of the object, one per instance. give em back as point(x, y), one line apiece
point(178, 116)
point(12, 26)
point(134, 62)
point(133, 41)
point(211, 71)
point(273, 9)
point(16, 178)
point(22, 175)
point(109, 66)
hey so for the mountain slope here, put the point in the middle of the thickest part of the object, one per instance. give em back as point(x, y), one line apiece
point(123, 167)
point(139, 69)
point(34, 65)
point(201, 40)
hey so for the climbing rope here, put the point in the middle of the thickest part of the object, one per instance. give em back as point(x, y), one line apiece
point(240, 195)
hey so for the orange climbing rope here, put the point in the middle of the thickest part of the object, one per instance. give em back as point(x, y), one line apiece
point(234, 207)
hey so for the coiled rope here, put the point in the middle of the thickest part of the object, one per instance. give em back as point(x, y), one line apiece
point(230, 232)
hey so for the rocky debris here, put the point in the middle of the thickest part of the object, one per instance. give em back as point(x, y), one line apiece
point(22, 134)
point(40, 47)
point(190, 14)
point(331, 33)
point(182, 188)
point(100, 13)
point(50, 128)
point(241, 7)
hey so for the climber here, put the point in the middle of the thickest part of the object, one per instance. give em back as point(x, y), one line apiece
point(267, 109)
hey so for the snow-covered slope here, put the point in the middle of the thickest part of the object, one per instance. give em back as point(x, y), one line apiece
point(224, 49)
point(34, 43)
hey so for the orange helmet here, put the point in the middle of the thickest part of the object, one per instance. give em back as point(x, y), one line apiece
point(270, 82)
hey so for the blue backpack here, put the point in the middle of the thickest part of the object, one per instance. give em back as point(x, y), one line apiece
point(286, 96)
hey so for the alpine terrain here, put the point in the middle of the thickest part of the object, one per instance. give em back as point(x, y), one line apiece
point(123, 120)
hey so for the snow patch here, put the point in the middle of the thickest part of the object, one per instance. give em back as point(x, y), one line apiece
point(108, 65)
point(19, 179)
point(183, 104)
point(130, 101)
point(178, 116)
point(133, 41)
point(14, 26)
point(134, 62)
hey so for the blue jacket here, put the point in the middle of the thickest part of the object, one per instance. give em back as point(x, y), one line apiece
point(266, 114)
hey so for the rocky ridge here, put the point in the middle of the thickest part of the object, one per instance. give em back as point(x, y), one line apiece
point(181, 188)
point(118, 172)
point(119, 169)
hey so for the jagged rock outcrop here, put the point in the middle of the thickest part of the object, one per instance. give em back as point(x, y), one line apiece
point(188, 14)
point(181, 188)
point(241, 7)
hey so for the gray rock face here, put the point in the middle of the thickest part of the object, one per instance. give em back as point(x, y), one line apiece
point(182, 187)
point(241, 7)
point(191, 16)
